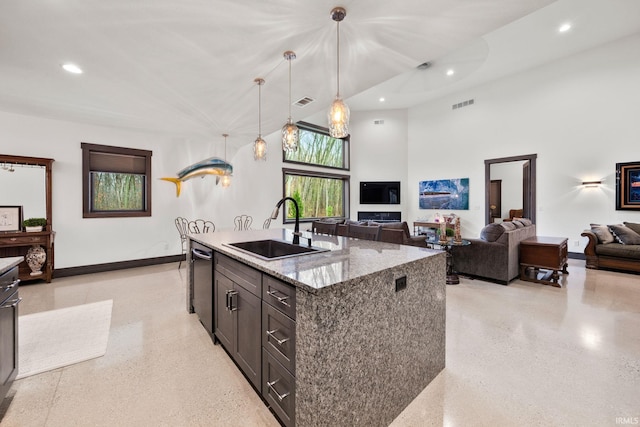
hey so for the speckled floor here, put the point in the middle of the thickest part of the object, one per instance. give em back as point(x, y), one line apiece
point(520, 355)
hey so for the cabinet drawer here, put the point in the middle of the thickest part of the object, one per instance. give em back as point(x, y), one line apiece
point(279, 336)
point(280, 295)
point(243, 275)
point(278, 389)
point(8, 281)
point(23, 240)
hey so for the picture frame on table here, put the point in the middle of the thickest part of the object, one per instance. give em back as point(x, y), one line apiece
point(10, 219)
point(628, 186)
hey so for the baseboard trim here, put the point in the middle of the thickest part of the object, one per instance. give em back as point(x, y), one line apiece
point(111, 266)
point(576, 255)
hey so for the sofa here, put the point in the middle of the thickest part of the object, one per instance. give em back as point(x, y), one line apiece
point(495, 255)
point(615, 247)
point(390, 232)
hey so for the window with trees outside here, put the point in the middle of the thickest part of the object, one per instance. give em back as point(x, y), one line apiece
point(116, 181)
point(317, 148)
point(319, 195)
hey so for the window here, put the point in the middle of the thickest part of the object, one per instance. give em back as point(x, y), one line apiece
point(116, 182)
point(318, 194)
point(319, 149)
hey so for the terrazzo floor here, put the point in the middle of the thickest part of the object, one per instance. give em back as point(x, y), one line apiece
point(517, 355)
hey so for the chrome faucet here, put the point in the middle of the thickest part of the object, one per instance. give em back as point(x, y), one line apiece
point(296, 229)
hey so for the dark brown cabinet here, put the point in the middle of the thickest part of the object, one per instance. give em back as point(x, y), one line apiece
point(279, 348)
point(9, 301)
point(237, 319)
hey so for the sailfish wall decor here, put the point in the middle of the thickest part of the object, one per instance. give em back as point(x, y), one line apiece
point(211, 166)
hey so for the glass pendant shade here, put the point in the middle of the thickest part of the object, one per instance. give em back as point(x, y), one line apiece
point(290, 132)
point(225, 180)
point(338, 119)
point(259, 149)
point(338, 115)
point(290, 136)
point(259, 145)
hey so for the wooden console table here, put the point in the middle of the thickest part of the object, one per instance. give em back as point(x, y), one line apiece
point(17, 244)
point(542, 259)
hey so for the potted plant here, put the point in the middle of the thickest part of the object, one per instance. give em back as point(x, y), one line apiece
point(34, 224)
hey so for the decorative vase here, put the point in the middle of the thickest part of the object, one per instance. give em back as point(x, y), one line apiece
point(36, 256)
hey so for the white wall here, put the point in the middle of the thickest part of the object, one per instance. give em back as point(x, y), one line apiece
point(578, 114)
point(81, 241)
point(379, 153)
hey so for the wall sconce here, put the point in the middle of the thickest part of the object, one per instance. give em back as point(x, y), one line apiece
point(591, 183)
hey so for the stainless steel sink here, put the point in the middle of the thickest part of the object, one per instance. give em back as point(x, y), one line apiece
point(272, 249)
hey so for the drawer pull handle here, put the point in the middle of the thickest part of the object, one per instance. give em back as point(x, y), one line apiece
point(13, 285)
point(280, 397)
point(281, 299)
point(280, 342)
point(13, 303)
point(13, 239)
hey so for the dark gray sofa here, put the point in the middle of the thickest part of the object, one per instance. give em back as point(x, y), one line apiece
point(606, 249)
point(495, 255)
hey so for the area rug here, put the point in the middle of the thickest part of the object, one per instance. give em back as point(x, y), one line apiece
point(52, 339)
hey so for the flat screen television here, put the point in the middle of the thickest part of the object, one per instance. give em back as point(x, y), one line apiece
point(380, 193)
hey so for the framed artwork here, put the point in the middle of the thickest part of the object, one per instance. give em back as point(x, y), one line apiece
point(628, 186)
point(450, 194)
point(10, 218)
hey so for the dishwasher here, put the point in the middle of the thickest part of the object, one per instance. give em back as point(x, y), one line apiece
point(202, 271)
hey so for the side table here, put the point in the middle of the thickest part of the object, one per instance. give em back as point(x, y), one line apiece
point(452, 276)
point(542, 259)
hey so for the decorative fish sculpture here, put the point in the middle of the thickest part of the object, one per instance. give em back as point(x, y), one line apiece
point(212, 166)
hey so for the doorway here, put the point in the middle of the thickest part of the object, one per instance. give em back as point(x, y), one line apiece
point(528, 182)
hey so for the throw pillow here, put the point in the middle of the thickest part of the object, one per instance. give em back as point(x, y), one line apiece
point(625, 235)
point(602, 233)
point(525, 221)
point(507, 225)
point(491, 232)
point(634, 226)
point(517, 223)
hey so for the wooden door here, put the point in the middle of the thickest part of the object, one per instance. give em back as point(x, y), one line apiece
point(495, 199)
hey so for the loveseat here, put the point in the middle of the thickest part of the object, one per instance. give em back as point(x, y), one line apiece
point(495, 255)
point(615, 246)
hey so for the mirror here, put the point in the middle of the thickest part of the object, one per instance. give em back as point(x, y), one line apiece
point(510, 183)
point(26, 182)
point(24, 185)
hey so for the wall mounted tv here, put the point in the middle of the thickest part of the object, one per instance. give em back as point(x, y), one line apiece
point(379, 193)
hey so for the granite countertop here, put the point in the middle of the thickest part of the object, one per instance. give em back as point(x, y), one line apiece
point(9, 262)
point(346, 261)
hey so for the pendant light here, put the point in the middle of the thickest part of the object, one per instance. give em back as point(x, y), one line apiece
point(339, 113)
point(259, 145)
point(290, 132)
point(225, 180)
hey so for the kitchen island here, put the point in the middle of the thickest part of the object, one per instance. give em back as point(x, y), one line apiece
point(348, 336)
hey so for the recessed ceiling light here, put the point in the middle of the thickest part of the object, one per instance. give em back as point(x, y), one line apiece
point(564, 27)
point(450, 72)
point(381, 99)
point(72, 68)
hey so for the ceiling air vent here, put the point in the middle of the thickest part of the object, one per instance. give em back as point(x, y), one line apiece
point(378, 122)
point(302, 102)
point(462, 104)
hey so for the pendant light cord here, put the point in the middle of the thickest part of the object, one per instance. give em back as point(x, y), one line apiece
point(259, 110)
point(338, 61)
point(289, 59)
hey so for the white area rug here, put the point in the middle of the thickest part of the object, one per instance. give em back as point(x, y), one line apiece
point(53, 339)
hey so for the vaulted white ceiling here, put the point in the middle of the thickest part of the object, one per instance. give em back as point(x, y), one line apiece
point(187, 68)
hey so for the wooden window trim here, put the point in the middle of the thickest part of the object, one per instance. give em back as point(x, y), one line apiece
point(87, 149)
